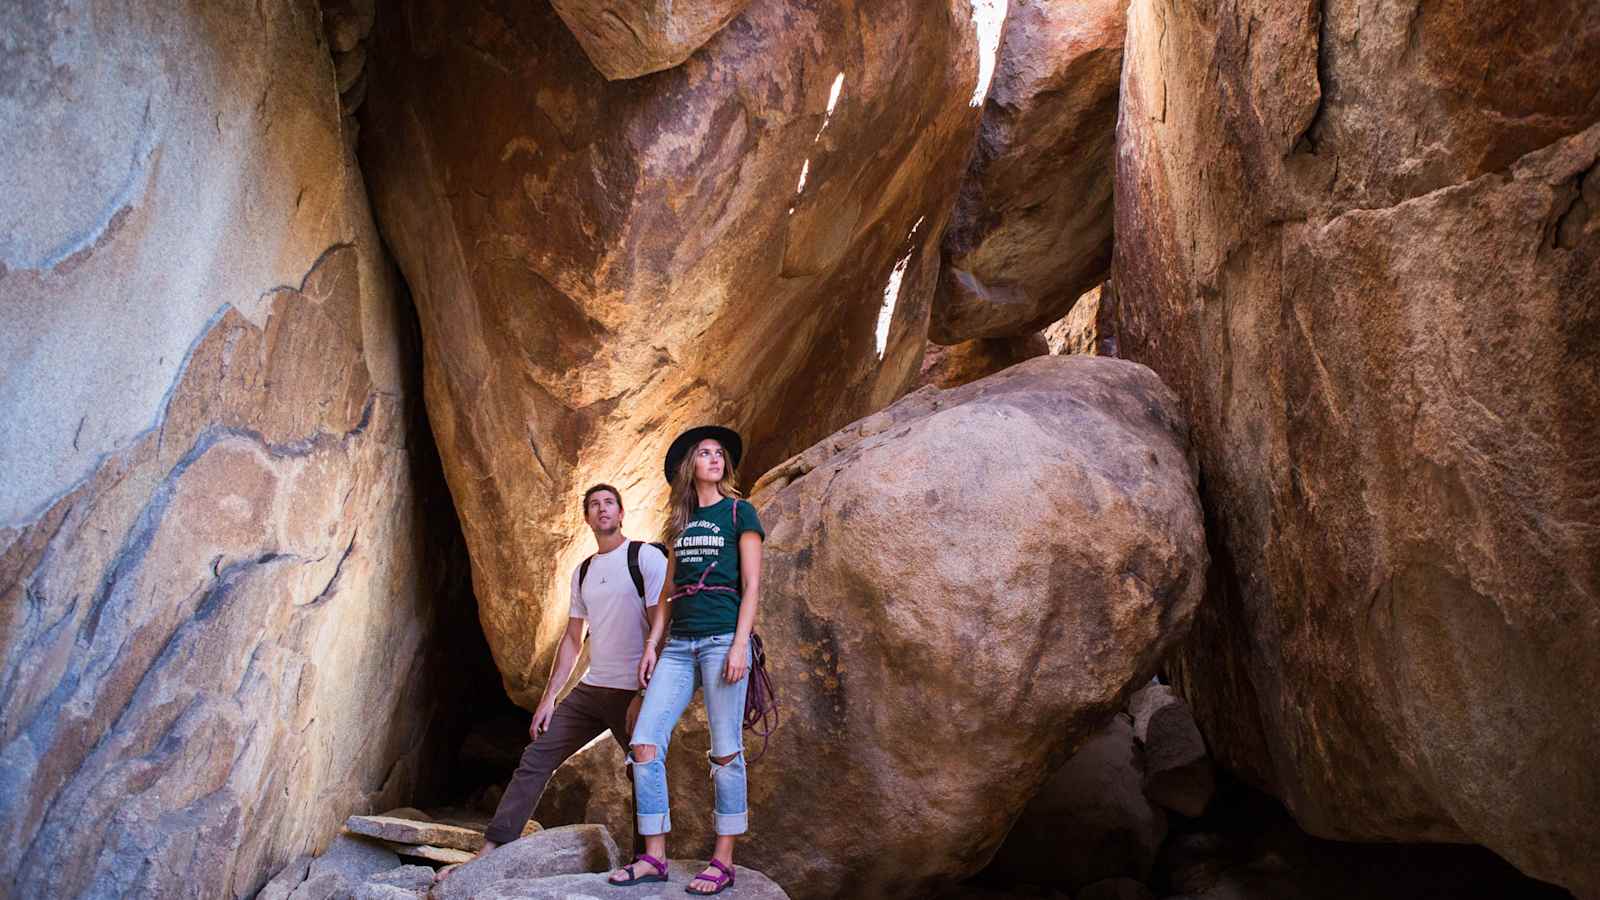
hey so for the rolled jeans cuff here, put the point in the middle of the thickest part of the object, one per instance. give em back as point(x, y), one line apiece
point(654, 823)
point(732, 823)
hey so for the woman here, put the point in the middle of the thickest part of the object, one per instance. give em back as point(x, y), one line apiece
point(715, 573)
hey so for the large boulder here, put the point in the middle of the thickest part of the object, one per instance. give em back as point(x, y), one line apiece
point(1364, 249)
point(568, 850)
point(956, 592)
point(1090, 822)
point(629, 38)
point(1032, 229)
point(213, 610)
point(749, 238)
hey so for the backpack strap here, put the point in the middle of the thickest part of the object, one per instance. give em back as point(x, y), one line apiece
point(583, 571)
point(633, 567)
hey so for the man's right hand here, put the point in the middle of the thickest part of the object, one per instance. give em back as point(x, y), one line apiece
point(541, 719)
point(647, 664)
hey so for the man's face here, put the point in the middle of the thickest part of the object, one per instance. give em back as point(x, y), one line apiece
point(709, 461)
point(603, 513)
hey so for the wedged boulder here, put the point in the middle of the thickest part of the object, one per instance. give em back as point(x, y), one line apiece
point(1178, 774)
point(629, 38)
point(212, 609)
point(966, 362)
point(1032, 228)
point(915, 542)
point(1369, 268)
point(748, 884)
point(1090, 822)
point(599, 264)
point(568, 850)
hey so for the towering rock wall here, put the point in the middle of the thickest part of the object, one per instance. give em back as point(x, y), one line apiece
point(212, 609)
point(1361, 242)
point(748, 238)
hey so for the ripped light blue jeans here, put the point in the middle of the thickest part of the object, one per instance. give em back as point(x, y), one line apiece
point(686, 664)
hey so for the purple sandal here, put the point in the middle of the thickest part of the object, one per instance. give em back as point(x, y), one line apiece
point(660, 866)
point(723, 881)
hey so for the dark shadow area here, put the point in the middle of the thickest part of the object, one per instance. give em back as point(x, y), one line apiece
point(1247, 847)
point(477, 732)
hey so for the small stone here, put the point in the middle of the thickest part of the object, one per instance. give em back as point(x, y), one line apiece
point(1178, 770)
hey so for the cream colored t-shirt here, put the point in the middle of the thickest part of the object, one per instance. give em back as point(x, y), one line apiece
point(618, 625)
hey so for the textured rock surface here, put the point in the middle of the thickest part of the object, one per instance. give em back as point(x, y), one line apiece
point(1032, 229)
point(629, 38)
point(209, 523)
point(598, 264)
point(1090, 822)
point(568, 850)
point(870, 533)
point(1363, 248)
point(966, 362)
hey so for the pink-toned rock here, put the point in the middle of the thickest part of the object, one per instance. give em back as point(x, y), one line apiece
point(1032, 229)
point(750, 238)
point(629, 38)
point(1360, 243)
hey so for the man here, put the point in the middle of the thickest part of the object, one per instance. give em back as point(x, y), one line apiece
point(606, 597)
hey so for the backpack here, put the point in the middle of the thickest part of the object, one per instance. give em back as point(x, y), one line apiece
point(633, 565)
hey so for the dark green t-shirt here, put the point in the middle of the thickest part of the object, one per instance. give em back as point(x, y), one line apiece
point(709, 541)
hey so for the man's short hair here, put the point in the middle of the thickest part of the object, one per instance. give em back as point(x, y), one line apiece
point(597, 489)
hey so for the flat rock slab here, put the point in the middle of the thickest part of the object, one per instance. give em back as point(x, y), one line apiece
point(748, 884)
point(411, 831)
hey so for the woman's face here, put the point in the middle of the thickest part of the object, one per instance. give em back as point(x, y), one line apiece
point(709, 461)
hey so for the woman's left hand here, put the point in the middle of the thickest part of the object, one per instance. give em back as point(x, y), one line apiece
point(738, 661)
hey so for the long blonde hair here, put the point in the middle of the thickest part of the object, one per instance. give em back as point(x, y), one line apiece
point(684, 501)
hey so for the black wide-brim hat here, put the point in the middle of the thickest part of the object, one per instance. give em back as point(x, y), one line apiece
point(683, 443)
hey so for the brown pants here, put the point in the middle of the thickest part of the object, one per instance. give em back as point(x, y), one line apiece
point(586, 712)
